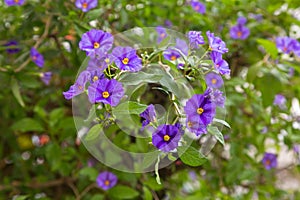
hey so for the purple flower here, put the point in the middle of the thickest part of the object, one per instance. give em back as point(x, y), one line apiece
point(14, 2)
point(36, 57)
point(241, 20)
point(239, 31)
point(213, 80)
point(166, 137)
point(126, 59)
point(106, 91)
point(162, 33)
point(217, 97)
point(269, 160)
point(200, 111)
point(148, 115)
point(13, 44)
point(79, 85)
point(264, 130)
point(195, 39)
point(296, 48)
point(96, 68)
point(296, 148)
point(46, 77)
point(279, 101)
point(86, 5)
point(285, 44)
point(106, 180)
point(219, 64)
point(168, 23)
point(216, 44)
point(173, 53)
point(291, 71)
point(96, 43)
point(198, 6)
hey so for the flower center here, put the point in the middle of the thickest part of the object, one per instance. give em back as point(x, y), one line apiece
point(80, 87)
point(268, 162)
point(96, 45)
point(166, 138)
point(95, 78)
point(190, 124)
point(107, 182)
point(162, 35)
point(197, 8)
point(107, 60)
point(284, 49)
point(34, 57)
point(210, 48)
point(16, 1)
point(217, 65)
point(173, 58)
point(125, 61)
point(85, 5)
point(214, 81)
point(239, 34)
point(200, 111)
point(105, 94)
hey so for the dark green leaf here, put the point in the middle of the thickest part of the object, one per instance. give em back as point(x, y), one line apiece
point(129, 107)
point(27, 124)
point(16, 91)
point(122, 192)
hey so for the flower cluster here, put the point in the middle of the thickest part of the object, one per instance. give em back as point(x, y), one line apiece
point(240, 31)
point(288, 45)
point(96, 80)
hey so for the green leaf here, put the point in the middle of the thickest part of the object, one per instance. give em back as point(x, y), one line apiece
point(21, 197)
point(147, 194)
point(90, 172)
point(27, 124)
point(269, 46)
point(122, 192)
point(16, 91)
point(191, 156)
point(97, 197)
point(222, 122)
point(139, 77)
point(93, 132)
point(215, 132)
point(129, 107)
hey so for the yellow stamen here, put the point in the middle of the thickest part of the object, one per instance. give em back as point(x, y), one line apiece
point(105, 94)
point(200, 111)
point(85, 5)
point(95, 78)
point(125, 61)
point(162, 35)
point(190, 124)
point(96, 45)
point(166, 138)
point(268, 162)
point(34, 57)
point(239, 34)
point(107, 182)
point(80, 87)
point(214, 81)
point(173, 58)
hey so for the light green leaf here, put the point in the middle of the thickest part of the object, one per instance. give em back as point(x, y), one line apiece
point(129, 107)
point(27, 124)
point(215, 132)
point(269, 46)
point(16, 91)
point(21, 197)
point(191, 156)
point(139, 77)
point(97, 197)
point(93, 132)
point(147, 194)
point(122, 192)
point(222, 122)
point(90, 172)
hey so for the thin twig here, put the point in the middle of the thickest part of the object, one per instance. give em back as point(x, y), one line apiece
point(86, 190)
point(39, 41)
point(74, 189)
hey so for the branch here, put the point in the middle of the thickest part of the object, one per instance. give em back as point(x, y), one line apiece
point(37, 44)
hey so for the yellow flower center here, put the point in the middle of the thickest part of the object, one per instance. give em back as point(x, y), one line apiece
point(34, 57)
point(162, 35)
point(96, 45)
point(197, 8)
point(125, 61)
point(80, 87)
point(107, 182)
point(16, 1)
point(95, 78)
point(107, 60)
point(166, 138)
point(210, 48)
point(190, 124)
point(268, 162)
point(173, 58)
point(200, 111)
point(214, 81)
point(85, 5)
point(239, 34)
point(105, 94)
